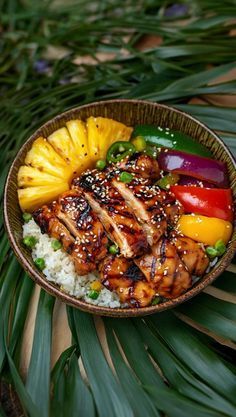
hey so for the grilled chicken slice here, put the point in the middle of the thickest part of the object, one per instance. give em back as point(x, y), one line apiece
point(140, 163)
point(164, 270)
point(148, 203)
point(192, 255)
point(117, 218)
point(74, 211)
point(83, 259)
point(122, 276)
point(48, 223)
point(173, 209)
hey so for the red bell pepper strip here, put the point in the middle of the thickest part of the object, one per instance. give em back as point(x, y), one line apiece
point(214, 202)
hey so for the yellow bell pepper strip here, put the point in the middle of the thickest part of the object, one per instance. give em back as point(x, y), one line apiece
point(207, 230)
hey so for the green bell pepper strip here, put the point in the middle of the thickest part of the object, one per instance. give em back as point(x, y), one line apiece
point(119, 150)
point(167, 138)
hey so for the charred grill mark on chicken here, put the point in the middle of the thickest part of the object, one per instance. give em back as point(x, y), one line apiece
point(74, 210)
point(71, 221)
point(140, 164)
point(164, 270)
point(153, 207)
point(192, 254)
point(122, 276)
point(117, 218)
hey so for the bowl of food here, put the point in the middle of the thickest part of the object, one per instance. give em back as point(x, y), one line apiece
point(122, 207)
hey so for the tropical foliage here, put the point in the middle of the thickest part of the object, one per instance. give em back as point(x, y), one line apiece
point(56, 55)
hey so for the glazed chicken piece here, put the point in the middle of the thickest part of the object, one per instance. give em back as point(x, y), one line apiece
point(192, 255)
point(48, 223)
point(164, 270)
point(153, 207)
point(80, 248)
point(122, 276)
point(142, 164)
point(173, 209)
point(117, 218)
point(75, 212)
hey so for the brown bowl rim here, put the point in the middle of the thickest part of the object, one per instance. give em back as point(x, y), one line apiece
point(54, 290)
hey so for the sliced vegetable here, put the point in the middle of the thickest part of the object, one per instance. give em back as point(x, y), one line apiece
point(168, 180)
point(126, 177)
point(30, 241)
point(195, 166)
point(139, 143)
point(207, 230)
point(27, 217)
point(119, 150)
point(40, 263)
point(186, 180)
point(100, 164)
point(214, 202)
point(164, 137)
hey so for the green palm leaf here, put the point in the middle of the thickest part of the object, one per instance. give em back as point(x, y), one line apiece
point(177, 363)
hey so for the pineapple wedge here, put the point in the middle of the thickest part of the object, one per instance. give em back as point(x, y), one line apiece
point(43, 157)
point(102, 132)
point(31, 177)
point(63, 145)
point(79, 137)
point(50, 164)
point(32, 198)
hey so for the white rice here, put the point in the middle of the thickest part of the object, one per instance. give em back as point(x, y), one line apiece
point(60, 270)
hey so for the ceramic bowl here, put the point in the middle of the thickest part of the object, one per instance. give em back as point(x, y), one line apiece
point(130, 112)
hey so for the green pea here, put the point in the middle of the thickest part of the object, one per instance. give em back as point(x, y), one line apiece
point(156, 301)
point(220, 247)
point(56, 244)
point(30, 241)
point(100, 164)
point(40, 263)
point(93, 294)
point(113, 249)
point(27, 217)
point(211, 252)
point(126, 177)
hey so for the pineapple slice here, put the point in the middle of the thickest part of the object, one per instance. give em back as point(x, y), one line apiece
point(79, 137)
point(31, 177)
point(31, 198)
point(102, 132)
point(43, 157)
point(51, 164)
point(63, 145)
